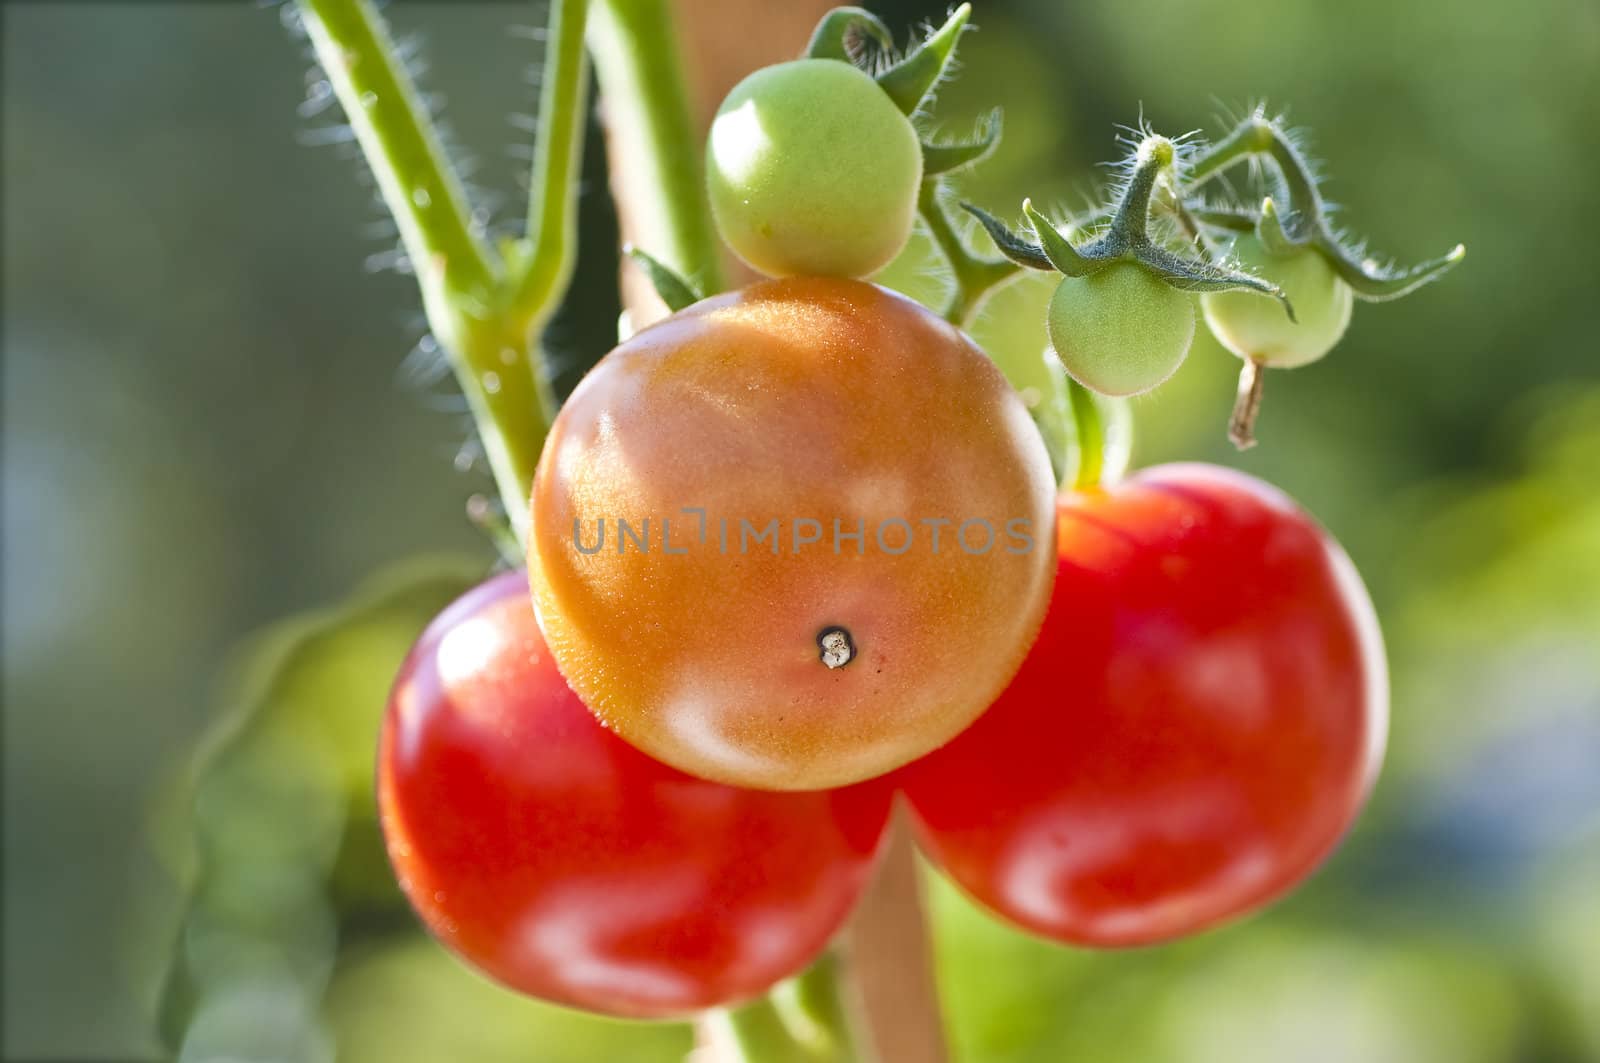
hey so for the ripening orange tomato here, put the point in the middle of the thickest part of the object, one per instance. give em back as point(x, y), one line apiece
point(794, 536)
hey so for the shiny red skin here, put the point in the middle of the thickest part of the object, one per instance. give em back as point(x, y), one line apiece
point(1199, 722)
point(562, 862)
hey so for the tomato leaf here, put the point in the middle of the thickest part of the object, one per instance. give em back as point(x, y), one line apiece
point(283, 847)
point(675, 290)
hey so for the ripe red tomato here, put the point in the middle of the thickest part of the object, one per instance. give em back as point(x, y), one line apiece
point(1198, 723)
point(564, 863)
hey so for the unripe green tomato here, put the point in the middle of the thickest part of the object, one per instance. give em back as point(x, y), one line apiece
point(1255, 326)
point(812, 170)
point(1120, 331)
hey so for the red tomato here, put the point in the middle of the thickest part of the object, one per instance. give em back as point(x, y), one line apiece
point(564, 863)
point(1200, 720)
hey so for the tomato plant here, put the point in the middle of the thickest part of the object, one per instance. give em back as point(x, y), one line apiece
point(557, 858)
point(792, 538)
point(730, 486)
point(812, 169)
point(1195, 728)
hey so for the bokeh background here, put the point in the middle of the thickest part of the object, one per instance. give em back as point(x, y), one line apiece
point(212, 424)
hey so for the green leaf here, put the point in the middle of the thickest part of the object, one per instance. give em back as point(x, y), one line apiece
point(285, 857)
point(673, 288)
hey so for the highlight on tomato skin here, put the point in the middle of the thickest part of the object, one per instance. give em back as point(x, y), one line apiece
point(1198, 724)
point(560, 861)
point(740, 636)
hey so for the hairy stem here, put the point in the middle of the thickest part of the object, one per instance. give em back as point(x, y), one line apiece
point(1258, 137)
point(401, 146)
point(974, 277)
point(551, 248)
point(1253, 136)
point(460, 279)
point(1172, 199)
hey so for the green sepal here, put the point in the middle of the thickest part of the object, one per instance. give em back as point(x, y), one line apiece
point(1305, 225)
point(1058, 249)
point(1376, 284)
point(1010, 244)
point(910, 80)
point(273, 826)
point(1194, 275)
point(1270, 231)
point(942, 158)
point(674, 289)
point(844, 26)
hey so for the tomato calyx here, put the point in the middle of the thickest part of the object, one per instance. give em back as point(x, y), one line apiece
point(1294, 244)
point(853, 34)
point(676, 290)
point(1126, 236)
point(1302, 229)
point(857, 36)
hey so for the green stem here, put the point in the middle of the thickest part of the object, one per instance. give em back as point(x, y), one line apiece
point(974, 277)
point(460, 280)
point(1091, 432)
point(647, 110)
point(756, 1033)
point(392, 127)
point(1173, 200)
point(1256, 136)
point(815, 1009)
point(1253, 136)
point(551, 248)
point(803, 1020)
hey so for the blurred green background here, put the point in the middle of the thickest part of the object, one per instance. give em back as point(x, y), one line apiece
point(211, 423)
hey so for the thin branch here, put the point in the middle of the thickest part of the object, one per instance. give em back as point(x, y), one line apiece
point(656, 161)
point(392, 126)
point(461, 281)
point(974, 277)
point(551, 248)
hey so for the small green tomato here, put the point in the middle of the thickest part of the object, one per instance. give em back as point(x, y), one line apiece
point(812, 170)
point(1120, 331)
point(1255, 327)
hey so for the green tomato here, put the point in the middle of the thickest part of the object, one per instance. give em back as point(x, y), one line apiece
point(1256, 327)
point(1120, 331)
point(812, 169)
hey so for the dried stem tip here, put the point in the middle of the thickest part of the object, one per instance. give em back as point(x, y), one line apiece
point(837, 647)
point(1247, 404)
